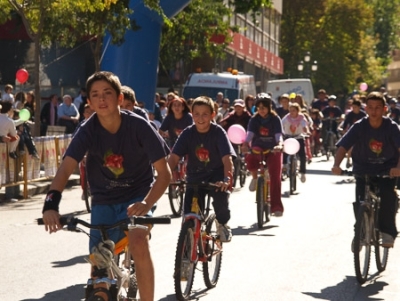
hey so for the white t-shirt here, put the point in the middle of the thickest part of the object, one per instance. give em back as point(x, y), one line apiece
point(7, 126)
point(294, 126)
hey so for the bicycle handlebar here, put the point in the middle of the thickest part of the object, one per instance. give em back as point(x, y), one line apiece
point(350, 173)
point(72, 222)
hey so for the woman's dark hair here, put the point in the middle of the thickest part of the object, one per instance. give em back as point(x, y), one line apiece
point(5, 107)
point(186, 108)
point(266, 101)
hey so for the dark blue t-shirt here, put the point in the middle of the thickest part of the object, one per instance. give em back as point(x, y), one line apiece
point(264, 130)
point(375, 151)
point(352, 117)
point(118, 165)
point(204, 152)
point(176, 126)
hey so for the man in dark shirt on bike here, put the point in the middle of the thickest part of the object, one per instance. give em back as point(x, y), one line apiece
point(376, 147)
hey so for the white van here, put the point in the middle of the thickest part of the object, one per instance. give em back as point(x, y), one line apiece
point(233, 86)
point(301, 86)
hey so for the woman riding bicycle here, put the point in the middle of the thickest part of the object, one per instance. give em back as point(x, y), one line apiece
point(265, 132)
point(295, 125)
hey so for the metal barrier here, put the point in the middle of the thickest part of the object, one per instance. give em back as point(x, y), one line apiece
point(24, 169)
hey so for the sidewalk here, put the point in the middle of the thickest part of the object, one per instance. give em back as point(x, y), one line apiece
point(39, 187)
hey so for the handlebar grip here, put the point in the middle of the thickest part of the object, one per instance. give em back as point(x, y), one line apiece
point(63, 221)
point(152, 220)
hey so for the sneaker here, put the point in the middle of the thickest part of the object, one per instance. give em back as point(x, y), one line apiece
point(13, 155)
point(387, 240)
point(253, 184)
point(302, 178)
point(277, 213)
point(224, 232)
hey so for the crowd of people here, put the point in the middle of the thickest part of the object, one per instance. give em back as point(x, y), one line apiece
point(109, 124)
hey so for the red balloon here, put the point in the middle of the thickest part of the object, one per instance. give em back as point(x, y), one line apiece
point(22, 75)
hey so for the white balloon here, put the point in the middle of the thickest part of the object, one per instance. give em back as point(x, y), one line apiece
point(291, 146)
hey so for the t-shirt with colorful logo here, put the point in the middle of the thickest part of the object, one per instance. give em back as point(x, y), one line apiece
point(176, 126)
point(204, 152)
point(264, 130)
point(294, 126)
point(118, 165)
point(375, 151)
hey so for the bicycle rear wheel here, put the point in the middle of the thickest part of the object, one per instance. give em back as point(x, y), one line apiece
point(175, 196)
point(184, 265)
point(212, 267)
point(260, 200)
point(381, 253)
point(362, 245)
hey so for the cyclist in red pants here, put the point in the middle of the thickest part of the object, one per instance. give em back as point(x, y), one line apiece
point(265, 132)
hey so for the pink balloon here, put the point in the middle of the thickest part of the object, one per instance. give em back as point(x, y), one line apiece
point(22, 75)
point(363, 86)
point(291, 146)
point(236, 134)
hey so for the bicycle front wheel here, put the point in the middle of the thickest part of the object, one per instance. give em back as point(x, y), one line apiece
point(242, 173)
point(362, 245)
point(87, 196)
point(381, 253)
point(292, 173)
point(175, 196)
point(212, 267)
point(236, 172)
point(260, 200)
point(184, 265)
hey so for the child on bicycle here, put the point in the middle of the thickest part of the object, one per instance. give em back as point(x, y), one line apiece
point(265, 132)
point(209, 154)
point(121, 150)
point(376, 145)
point(295, 125)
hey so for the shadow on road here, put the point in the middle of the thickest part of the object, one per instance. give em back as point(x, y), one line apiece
point(348, 287)
point(69, 262)
point(75, 292)
point(319, 172)
point(252, 230)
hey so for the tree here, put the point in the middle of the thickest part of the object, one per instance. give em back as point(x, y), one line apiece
point(342, 36)
point(202, 29)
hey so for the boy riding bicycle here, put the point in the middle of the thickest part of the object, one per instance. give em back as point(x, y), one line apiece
point(121, 149)
point(376, 145)
point(209, 159)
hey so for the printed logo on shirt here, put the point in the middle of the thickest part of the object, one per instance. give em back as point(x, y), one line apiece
point(264, 131)
point(202, 154)
point(375, 146)
point(293, 128)
point(114, 163)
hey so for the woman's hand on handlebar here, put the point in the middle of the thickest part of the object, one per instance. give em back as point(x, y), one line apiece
point(51, 220)
point(278, 148)
point(223, 186)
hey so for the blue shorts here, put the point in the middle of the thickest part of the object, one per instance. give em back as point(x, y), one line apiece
point(110, 214)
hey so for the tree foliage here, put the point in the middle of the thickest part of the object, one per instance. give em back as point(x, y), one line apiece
point(344, 36)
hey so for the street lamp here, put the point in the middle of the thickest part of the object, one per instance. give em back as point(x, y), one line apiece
point(306, 67)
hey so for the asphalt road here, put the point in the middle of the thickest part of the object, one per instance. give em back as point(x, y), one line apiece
point(304, 255)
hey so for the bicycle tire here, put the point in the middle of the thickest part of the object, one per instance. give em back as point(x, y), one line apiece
point(184, 266)
point(332, 146)
point(212, 267)
point(267, 209)
point(292, 176)
point(175, 196)
point(236, 172)
point(260, 200)
point(87, 196)
point(362, 245)
point(242, 174)
point(381, 253)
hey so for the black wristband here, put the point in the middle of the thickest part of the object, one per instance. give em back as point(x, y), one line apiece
point(52, 201)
